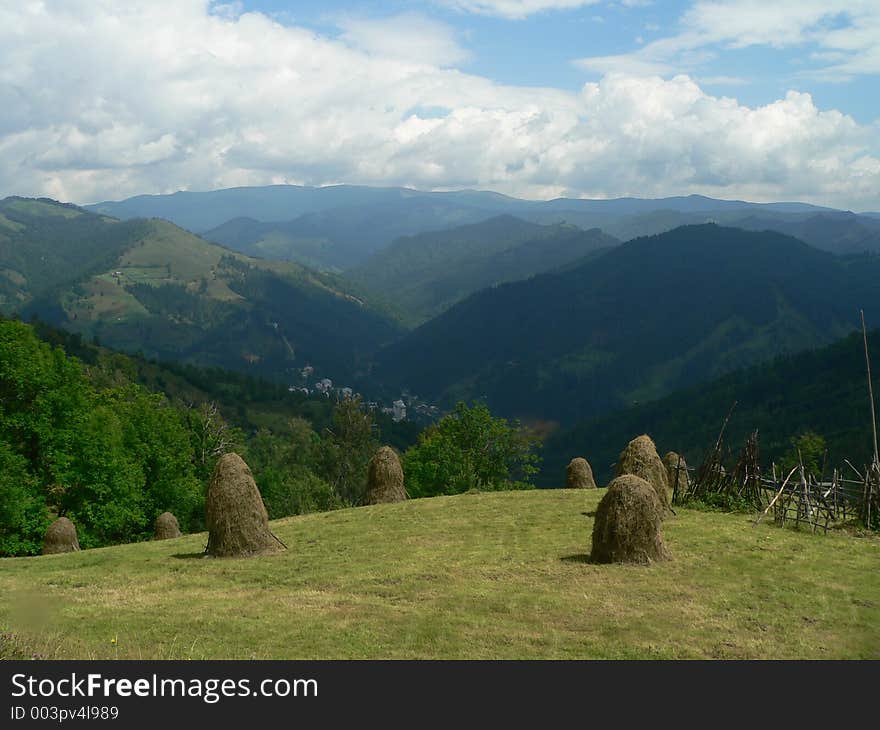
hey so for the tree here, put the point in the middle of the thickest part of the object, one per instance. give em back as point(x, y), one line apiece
point(211, 437)
point(346, 448)
point(809, 447)
point(23, 515)
point(282, 467)
point(470, 449)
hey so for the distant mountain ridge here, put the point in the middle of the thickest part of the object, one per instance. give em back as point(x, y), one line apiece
point(646, 318)
point(201, 211)
point(339, 227)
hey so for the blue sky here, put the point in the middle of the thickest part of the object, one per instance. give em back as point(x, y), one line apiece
point(747, 99)
point(539, 49)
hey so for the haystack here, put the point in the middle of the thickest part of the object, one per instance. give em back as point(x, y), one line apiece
point(166, 527)
point(579, 475)
point(60, 538)
point(238, 525)
point(671, 462)
point(385, 478)
point(627, 525)
point(640, 458)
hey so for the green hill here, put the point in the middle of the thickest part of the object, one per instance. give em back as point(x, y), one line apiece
point(823, 390)
point(489, 576)
point(647, 318)
point(424, 275)
point(149, 286)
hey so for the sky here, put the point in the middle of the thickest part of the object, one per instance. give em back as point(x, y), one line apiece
point(747, 99)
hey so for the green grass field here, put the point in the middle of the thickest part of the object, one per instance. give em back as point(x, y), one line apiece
point(498, 575)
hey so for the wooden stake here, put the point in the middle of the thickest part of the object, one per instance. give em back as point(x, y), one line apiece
point(870, 385)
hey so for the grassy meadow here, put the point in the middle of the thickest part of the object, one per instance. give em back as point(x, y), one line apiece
point(476, 576)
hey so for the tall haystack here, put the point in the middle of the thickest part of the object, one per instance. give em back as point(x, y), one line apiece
point(60, 538)
point(166, 527)
point(671, 461)
point(640, 458)
point(238, 525)
point(579, 475)
point(385, 478)
point(627, 524)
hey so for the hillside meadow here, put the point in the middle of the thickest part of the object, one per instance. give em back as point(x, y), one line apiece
point(476, 576)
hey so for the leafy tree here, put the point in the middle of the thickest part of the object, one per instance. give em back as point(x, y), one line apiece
point(809, 447)
point(346, 448)
point(470, 449)
point(156, 435)
point(282, 467)
point(23, 515)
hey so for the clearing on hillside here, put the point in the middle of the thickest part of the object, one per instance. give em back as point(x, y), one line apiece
point(498, 575)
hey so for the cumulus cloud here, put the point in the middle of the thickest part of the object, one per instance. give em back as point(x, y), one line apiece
point(846, 32)
point(513, 9)
point(105, 100)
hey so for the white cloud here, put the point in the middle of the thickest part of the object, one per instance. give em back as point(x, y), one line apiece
point(513, 9)
point(105, 100)
point(846, 31)
point(408, 37)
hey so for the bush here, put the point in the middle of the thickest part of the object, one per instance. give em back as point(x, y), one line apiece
point(470, 449)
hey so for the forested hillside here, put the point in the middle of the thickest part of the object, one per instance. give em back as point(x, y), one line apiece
point(648, 317)
point(424, 275)
point(823, 391)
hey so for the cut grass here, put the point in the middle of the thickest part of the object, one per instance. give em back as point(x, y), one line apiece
point(499, 575)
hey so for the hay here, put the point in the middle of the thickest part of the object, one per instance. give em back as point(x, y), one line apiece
point(60, 538)
point(238, 525)
point(670, 461)
point(579, 475)
point(640, 458)
point(166, 527)
point(627, 524)
point(385, 478)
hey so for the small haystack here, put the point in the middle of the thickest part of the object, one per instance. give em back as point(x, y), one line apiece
point(627, 525)
point(671, 462)
point(60, 538)
point(385, 478)
point(579, 475)
point(238, 525)
point(640, 458)
point(166, 527)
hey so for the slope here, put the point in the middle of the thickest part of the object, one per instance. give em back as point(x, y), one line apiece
point(150, 286)
point(477, 576)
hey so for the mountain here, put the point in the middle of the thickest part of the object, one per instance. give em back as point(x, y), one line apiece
point(424, 275)
point(822, 390)
point(648, 317)
point(339, 227)
point(340, 238)
point(149, 286)
point(44, 243)
point(833, 231)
